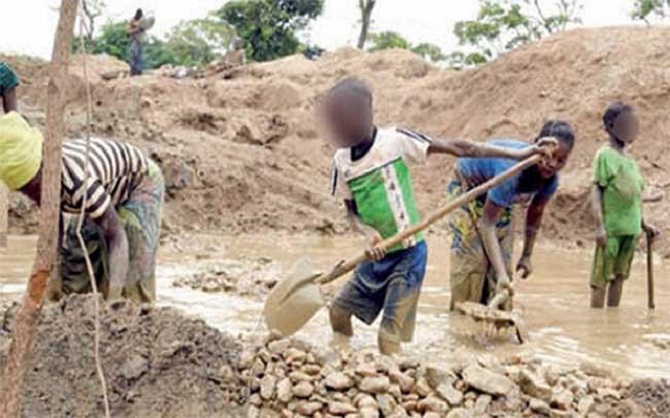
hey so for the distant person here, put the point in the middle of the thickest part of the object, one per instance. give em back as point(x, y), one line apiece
point(482, 231)
point(371, 175)
point(9, 81)
point(235, 57)
point(137, 29)
point(123, 209)
point(617, 205)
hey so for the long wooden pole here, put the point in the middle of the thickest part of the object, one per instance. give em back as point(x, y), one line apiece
point(651, 304)
point(31, 306)
point(4, 221)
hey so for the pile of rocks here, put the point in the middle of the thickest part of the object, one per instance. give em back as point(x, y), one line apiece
point(244, 277)
point(289, 378)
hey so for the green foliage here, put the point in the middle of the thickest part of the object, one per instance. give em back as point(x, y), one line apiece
point(113, 40)
point(429, 52)
point(645, 9)
point(502, 25)
point(387, 40)
point(269, 27)
point(198, 42)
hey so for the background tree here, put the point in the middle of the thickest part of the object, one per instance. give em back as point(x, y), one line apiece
point(387, 40)
point(646, 9)
point(92, 9)
point(269, 27)
point(429, 52)
point(366, 7)
point(197, 42)
point(502, 25)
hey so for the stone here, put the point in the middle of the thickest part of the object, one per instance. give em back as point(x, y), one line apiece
point(308, 408)
point(300, 377)
point(366, 370)
point(399, 412)
point(422, 388)
point(435, 377)
point(284, 392)
point(487, 381)
point(450, 394)
point(459, 413)
point(482, 404)
point(405, 382)
point(268, 383)
point(540, 407)
point(595, 370)
point(279, 346)
point(395, 391)
point(312, 369)
point(255, 400)
point(135, 367)
point(533, 385)
point(374, 385)
point(338, 381)
point(369, 412)
point(410, 406)
point(365, 401)
point(433, 404)
point(295, 356)
point(258, 368)
point(562, 400)
point(253, 412)
point(341, 408)
point(431, 415)
point(586, 405)
point(608, 393)
point(386, 404)
point(303, 390)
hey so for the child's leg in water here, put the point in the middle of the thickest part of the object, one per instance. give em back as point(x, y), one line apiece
point(615, 291)
point(598, 297)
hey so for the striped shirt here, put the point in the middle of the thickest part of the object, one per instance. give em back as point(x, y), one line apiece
point(115, 170)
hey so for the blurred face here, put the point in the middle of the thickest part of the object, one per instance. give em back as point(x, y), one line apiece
point(347, 117)
point(626, 127)
point(549, 167)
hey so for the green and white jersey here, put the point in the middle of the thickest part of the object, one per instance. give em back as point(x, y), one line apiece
point(380, 183)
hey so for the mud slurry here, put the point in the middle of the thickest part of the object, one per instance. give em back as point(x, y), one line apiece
point(158, 363)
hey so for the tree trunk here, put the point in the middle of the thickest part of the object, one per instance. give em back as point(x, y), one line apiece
point(4, 222)
point(366, 7)
point(25, 326)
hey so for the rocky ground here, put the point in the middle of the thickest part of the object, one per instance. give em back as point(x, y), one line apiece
point(159, 362)
point(243, 277)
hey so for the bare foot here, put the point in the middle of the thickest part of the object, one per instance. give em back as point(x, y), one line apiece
point(340, 343)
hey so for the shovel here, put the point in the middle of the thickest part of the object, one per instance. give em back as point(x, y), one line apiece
point(297, 298)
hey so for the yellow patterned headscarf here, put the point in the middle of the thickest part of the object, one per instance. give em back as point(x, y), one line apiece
point(20, 151)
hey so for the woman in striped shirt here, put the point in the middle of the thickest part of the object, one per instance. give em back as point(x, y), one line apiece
point(122, 198)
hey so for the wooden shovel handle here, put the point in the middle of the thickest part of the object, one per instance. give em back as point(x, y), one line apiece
point(650, 272)
point(346, 266)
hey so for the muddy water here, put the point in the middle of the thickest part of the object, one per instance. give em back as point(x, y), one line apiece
point(554, 302)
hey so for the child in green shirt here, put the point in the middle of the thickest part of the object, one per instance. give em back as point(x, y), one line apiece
point(617, 203)
point(370, 173)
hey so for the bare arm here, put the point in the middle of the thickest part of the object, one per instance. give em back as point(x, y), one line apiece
point(117, 243)
point(462, 148)
point(597, 205)
point(9, 101)
point(533, 223)
point(487, 229)
point(371, 235)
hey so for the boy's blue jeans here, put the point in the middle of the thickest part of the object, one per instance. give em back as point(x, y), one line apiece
point(393, 285)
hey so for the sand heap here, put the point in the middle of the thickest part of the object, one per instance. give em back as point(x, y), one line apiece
point(157, 362)
point(244, 154)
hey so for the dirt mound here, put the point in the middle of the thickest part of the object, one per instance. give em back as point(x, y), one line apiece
point(653, 396)
point(245, 154)
point(157, 362)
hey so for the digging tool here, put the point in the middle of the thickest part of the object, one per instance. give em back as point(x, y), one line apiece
point(650, 271)
point(297, 298)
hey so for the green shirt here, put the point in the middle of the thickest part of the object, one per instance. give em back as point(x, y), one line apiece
point(380, 183)
point(619, 177)
point(8, 78)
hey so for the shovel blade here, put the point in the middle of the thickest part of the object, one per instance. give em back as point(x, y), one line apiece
point(294, 300)
point(498, 318)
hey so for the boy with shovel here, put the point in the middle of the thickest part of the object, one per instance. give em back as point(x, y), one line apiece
point(371, 165)
point(617, 206)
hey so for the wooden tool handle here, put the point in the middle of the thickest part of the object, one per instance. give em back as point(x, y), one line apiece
point(348, 265)
point(650, 272)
